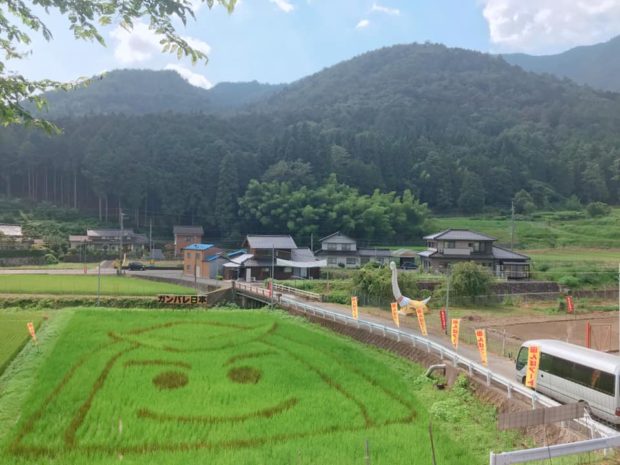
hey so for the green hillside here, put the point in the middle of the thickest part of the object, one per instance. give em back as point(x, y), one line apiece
point(595, 65)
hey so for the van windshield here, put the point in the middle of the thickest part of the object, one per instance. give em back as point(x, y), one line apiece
point(521, 358)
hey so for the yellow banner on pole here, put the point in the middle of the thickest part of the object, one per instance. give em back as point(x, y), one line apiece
point(454, 332)
point(395, 314)
point(354, 311)
point(421, 321)
point(533, 361)
point(481, 339)
point(31, 331)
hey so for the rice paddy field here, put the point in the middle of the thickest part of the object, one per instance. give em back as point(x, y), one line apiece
point(227, 387)
point(86, 285)
point(14, 333)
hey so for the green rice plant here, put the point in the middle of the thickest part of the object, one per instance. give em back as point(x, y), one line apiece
point(232, 387)
point(86, 285)
point(14, 333)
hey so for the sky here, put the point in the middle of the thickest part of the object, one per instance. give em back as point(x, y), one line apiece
point(279, 41)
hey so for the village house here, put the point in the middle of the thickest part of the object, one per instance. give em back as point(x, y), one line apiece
point(341, 250)
point(185, 236)
point(109, 240)
point(11, 236)
point(201, 261)
point(263, 254)
point(452, 246)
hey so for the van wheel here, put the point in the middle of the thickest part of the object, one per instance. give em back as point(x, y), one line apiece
point(523, 380)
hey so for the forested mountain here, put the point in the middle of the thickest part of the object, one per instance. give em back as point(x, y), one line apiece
point(456, 129)
point(138, 92)
point(595, 65)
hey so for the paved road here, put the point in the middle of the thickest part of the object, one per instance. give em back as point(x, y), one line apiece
point(497, 364)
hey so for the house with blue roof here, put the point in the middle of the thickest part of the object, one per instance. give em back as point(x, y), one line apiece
point(201, 260)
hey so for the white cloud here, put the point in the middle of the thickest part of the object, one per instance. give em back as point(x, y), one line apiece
point(283, 5)
point(385, 9)
point(193, 78)
point(136, 45)
point(546, 26)
point(197, 44)
point(364, 23)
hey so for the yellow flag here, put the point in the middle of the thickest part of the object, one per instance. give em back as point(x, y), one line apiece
point(354, 311)
point(533, 360)
point(481, 339)
point(31, 331)
point(395, 314)
point(421, 321)
point(454, 332)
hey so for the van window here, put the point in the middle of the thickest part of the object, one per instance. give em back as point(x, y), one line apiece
point(522, 358)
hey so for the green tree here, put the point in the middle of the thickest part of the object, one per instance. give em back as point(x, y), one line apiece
point(523, 202)
point(472, 195)
point(18, 21)
point(469, 280)
point(226, 207)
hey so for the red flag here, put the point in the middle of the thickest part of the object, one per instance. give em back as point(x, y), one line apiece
point(442, 316)
point(570, 305)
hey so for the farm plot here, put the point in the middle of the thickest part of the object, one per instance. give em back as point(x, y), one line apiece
point(85, 285)
point(234, 387)
point(14, 334)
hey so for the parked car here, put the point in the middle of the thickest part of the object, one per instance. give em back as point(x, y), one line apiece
point(409, 266)
point(136, 266)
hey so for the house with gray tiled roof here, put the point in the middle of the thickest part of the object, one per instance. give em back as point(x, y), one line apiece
point(452, 246)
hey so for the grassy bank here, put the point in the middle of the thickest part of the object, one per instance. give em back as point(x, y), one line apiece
point(14, 333)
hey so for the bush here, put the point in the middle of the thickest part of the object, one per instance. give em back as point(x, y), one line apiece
point(469, 280)
point(569, 281)
point(597, 209)
point(50, 259)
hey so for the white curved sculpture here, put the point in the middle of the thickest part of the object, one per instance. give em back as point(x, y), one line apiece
point(407, 306)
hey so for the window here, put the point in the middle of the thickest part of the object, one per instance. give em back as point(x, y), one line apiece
point(522, 358)
point(450, 244)
point(346, 246)
point(351, 261)
point(580, 374)
point(331, 246)
point(332, 261)
point(476, 246)
point(187, 267)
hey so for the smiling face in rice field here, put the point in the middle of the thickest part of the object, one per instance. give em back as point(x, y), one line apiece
point(200, 385)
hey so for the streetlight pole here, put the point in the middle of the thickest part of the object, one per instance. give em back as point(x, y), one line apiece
point(273, 270)
point(120, 250)
point(448, 300)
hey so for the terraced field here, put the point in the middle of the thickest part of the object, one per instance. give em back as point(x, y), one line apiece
point(14, 333)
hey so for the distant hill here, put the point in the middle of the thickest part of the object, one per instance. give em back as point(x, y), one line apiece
point(595, 65)
point(139, 92)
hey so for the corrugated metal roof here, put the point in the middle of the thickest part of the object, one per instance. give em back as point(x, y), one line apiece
point(242, 258)
point(459, 235)
point(427, 253)
point(270, 242)
point(12, 230)
point(337, 233)
point(109, 232)
point(74, 238)
point(404, 253)
point(198, 247)
point(236, 252)
point(187, 230)
point(374, 252)
point(302, 255)
point(505, 254)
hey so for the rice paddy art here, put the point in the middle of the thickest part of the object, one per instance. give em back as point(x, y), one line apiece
point(225, 386)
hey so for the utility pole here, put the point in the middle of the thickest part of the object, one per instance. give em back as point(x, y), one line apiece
point(448, 302)
point(120, 251)
point(273, 270)
point(151, 237)
point(512, 224)
point(312, 242)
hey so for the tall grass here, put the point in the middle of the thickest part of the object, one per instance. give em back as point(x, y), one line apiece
point(312, 397)
point(85, 285)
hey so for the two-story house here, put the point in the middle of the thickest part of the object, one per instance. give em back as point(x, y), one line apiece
point(200, 260)
point(278, 252)
point(185, 236)
point(452, 246)
point(341, 250)
point(109, 240)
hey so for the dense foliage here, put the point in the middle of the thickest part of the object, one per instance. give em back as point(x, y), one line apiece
point(459, 130)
